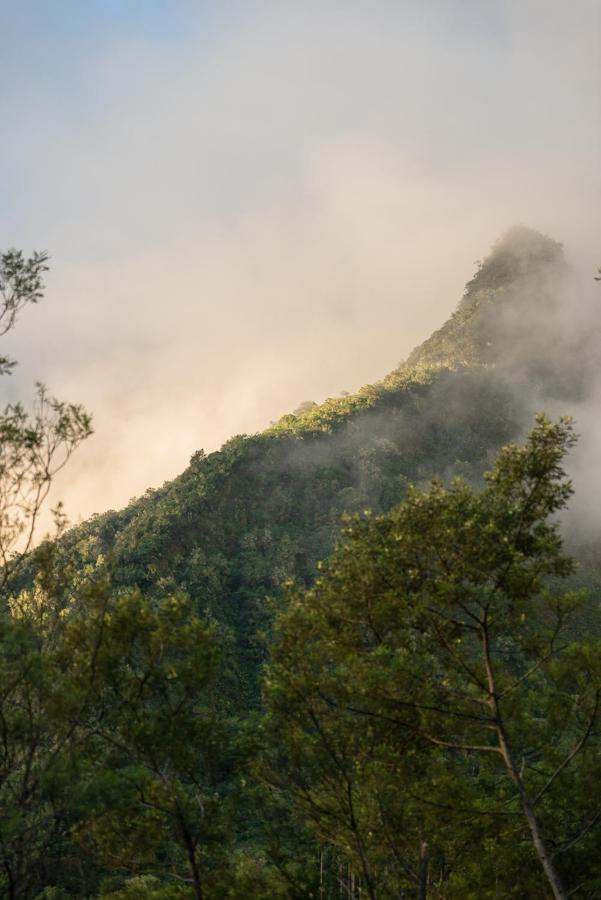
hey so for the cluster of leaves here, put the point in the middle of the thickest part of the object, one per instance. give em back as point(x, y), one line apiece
point(313, 418)
point(35, 445)
point(21, 282)
point(114, 742)
point(433, 689)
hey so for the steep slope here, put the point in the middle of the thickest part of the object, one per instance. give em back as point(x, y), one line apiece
point(518, 281)
point(266, 508)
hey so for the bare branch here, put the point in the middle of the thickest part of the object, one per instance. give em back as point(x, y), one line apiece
point(573, 752)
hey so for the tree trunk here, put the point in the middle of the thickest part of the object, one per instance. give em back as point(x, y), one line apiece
point(422, 889)
point(11, 881)
point(559, 891)
point(194, 869)
point(321, 886)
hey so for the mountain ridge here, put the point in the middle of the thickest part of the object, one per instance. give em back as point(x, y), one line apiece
point(241, 522)
point(521, 253)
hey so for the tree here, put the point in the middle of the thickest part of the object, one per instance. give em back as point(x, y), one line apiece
point(114, 739)
point(159, 746)
point(21, 282)
point(34, 446)
point(437, 666)
point(114, 736)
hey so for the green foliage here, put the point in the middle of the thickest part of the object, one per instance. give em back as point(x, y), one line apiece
point(237, 523)
point(523, 262)
point(34, 445)
point(38, 703)
point(151, 703)
point(156, 801)
point(327, 416)
point(148, 887)
point(114, 738)
point(21, 282)
point(433, 668)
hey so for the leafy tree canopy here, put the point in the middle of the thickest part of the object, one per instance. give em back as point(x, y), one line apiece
point(434, 688)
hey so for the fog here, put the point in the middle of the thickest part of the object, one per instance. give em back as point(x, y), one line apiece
point(253, 204)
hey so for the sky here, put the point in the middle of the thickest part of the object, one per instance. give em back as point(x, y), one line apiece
point(252, 204)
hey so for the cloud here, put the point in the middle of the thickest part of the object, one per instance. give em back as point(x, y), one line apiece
point(266, 203)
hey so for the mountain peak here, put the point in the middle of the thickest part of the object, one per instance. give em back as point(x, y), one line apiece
point(514, 281)
point(519, 252)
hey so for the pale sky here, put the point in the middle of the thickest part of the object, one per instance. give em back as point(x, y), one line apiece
point(251, 204)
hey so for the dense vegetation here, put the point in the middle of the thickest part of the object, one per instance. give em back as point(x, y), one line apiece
point(145, 749)
point(430, 692)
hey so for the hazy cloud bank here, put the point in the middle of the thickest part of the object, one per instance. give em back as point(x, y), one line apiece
point(256, 205)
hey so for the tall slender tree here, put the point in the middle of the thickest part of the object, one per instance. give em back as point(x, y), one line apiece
point(437, 686)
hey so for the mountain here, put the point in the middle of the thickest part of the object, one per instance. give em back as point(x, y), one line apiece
point(238, 523)
point(136, 741)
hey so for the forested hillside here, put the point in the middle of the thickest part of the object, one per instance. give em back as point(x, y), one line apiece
point(240, 522)
point(169, 765)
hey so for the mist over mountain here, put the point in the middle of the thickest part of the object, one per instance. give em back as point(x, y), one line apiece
point(169, 612)
point(237, 524)
point(314, 284)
